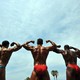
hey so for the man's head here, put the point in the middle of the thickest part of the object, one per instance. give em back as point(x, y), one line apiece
point(40, 41)
point(5, 43)
point(66, 47)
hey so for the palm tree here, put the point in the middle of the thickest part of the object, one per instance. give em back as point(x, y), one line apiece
point(27, 78)
point(54, 73)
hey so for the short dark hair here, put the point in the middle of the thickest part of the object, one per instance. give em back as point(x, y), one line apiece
point(5, 43)
point(39, 41)
point(66, 46)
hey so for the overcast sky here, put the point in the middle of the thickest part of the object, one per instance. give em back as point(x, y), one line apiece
point(23, 20)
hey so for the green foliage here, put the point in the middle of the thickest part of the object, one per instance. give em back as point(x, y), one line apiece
point(54, 73)
point(27, 78)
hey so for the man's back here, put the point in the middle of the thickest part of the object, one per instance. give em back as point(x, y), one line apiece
point(5, 56)
point(5, 53)
point(70, 57)
point(40, 54)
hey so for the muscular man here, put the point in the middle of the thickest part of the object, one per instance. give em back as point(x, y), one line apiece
point(40, 54)
point(70, 58)
point(5, 54)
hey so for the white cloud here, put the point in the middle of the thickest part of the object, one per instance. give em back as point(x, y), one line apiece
point(22, 20)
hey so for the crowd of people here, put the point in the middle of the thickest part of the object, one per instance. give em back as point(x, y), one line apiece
point(40, 54)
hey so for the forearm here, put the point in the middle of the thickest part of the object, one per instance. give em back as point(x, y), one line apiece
point(17, 44)
point(27, 46)
point(59, 51)
point(28, 42)
point(73, 48)
point(0, 45)
point(16, 47)
point(52, 42)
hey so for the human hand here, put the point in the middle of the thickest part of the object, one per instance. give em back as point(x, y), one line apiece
point(58, 46)
point(32, 41)
point(47, 41)
point(12, 44)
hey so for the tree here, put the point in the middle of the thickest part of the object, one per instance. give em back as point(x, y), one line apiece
point(54, 74)
point(27, 78)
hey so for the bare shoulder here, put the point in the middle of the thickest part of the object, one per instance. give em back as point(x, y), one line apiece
point(0, 48)
point(44, 48)
point(50, 48)
point(4, 50)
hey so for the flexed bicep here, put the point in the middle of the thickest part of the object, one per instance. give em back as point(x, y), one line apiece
point(16, 47)
point(27, 46)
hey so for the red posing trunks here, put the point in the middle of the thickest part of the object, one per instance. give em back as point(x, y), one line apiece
point(75, 67)
point(40, 68)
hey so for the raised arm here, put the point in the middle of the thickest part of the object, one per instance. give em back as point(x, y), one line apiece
point(0, 45)
point(27, 46)
point(0, 50)
point(53, 46)
point(70, 47)
point(16, 47)
point(77, 51)
point(59, 51)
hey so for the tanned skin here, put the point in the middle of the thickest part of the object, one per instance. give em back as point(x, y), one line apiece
point(5, 54)
point(70, 57)
point(40, 54)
